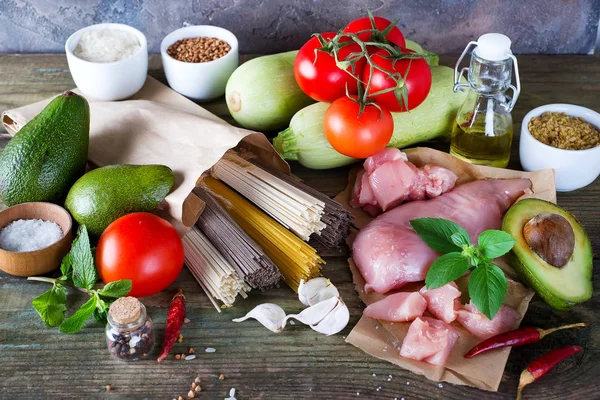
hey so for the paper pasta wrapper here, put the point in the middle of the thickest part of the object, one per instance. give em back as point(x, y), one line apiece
point(383, 339)
point(159, 126)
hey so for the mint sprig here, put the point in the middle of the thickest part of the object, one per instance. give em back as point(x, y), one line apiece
point(78, 271)
point(487, 283)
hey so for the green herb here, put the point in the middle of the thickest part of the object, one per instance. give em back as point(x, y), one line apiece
point(487, 283)
point(79, 272)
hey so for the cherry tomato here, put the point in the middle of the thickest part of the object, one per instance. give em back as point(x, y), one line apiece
point(418, 80)
point(362, 24)
point(357, 136)
point(141, 247)
point(318, 75)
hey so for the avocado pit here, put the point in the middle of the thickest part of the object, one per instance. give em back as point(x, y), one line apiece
point(551, 237)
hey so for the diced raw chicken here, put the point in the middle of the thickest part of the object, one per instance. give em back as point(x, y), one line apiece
point(392, 183)
point(479, 325)
point(429, 340)
point(397, 307)
point(385, 155)
point(356, 189)
point(389, 253)
point(439, 180)
point(442, 302)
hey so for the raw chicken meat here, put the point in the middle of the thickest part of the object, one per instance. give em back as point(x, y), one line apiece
point(389, 253)
point(479, 325)
point(443, 301)
point(429, 340)
point(397, 307)
point(388, 180)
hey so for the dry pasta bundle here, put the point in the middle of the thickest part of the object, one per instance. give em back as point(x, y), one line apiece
point(301, 209)
point(295, 259)
point(217, 277)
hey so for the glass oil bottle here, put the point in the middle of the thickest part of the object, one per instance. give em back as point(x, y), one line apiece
point(483, 130)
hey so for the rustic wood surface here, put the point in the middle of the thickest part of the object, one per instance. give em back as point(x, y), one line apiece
point(39, 362)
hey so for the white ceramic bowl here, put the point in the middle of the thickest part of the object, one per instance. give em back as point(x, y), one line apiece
point(573, 169)
point(200, 81)
point(109, 81)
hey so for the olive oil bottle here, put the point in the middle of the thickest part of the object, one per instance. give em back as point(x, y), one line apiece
point(483, 130)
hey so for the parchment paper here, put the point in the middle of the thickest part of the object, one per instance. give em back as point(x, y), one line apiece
point(383, 339)
point(159, 126)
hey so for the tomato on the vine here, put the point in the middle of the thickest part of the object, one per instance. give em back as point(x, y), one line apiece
point(417, 82)
point(357, 136)
point(141, 247)
point(394, 36)
point(317, 73)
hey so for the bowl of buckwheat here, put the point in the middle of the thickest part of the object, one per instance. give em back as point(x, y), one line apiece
point(563, 137)
point(198, 60)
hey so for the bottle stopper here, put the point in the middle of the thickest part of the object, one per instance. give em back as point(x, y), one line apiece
point(125, 310)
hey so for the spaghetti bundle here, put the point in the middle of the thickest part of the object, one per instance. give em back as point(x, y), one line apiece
point(295, 259)
point(217, 277)
point(296, 206)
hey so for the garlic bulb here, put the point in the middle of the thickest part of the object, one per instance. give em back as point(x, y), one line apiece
point(316, 290)
point(270, 315)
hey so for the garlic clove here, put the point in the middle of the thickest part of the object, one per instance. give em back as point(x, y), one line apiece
point(316, 290)
point(271, 316)
point(315, 314)
point(335, 321)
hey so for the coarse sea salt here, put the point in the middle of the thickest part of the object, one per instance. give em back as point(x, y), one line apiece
point(29, 235)
point(105, 45)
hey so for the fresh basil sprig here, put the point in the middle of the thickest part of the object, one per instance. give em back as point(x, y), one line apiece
point(487, 283)
point(78, 272)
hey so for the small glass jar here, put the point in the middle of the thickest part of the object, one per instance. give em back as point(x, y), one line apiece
point(129, 333)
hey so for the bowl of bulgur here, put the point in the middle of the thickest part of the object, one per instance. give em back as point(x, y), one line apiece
point(563, 137)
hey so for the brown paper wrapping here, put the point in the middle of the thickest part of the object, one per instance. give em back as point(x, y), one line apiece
point(159, 126)
point(383, 339)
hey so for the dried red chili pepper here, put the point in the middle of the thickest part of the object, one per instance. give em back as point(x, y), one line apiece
point(518, 337)
point(543, 364)
point(175, 319)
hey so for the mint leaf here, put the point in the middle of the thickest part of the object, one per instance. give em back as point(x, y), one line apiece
point(51, 305)
point(75, 322)
point(84, 271)
point(493, 243)
point(487, 288)
point(446, 269)
point(101, 311)
point(438, 232)
point(66, 267)
point(116, 289)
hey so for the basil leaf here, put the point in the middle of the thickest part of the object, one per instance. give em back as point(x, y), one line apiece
point(75, 322)
point(438, 232)
point(51, 305)
point(487, 288)
point(493, 243)
point(116, 289)
point(446, 269)
point(460, 240)
point(84, 271)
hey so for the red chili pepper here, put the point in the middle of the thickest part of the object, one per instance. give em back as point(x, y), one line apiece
point(543, 364)
point(518, 337)
point(175, 319)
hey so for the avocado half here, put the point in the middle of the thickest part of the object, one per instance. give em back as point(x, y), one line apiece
point(560, 286)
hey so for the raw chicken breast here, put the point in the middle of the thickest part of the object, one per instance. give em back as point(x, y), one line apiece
point(479, 325)
point(389, 253)
point(429, 340)
point(397, 307)
point(385, 155)
point(443, 301)
point(392, 182)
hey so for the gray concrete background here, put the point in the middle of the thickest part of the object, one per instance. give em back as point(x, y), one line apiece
point(443, 26)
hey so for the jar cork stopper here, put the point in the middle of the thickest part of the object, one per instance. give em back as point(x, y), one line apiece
point(125, 310)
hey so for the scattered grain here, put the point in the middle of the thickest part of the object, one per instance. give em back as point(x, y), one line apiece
point(210, 350)
point(221, 377)
point(191, 350)
point(108, 388)
point(197, 380)
point(198, 389)
point(564, 131)
point(180, 398)
point(191, 394)
point(198, 49)
point(190, 357)
point(180, 338)
point(186, 320)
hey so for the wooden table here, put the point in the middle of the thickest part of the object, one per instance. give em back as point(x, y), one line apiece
point(39, 362)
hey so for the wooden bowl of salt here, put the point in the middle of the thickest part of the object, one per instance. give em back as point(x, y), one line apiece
point(34, 238)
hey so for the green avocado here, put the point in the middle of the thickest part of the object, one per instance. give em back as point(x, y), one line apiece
point(48, 154)
point(108, 193)
point(552, 254)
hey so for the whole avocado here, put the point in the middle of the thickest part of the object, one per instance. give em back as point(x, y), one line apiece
point(48, 154)
point(105, 194)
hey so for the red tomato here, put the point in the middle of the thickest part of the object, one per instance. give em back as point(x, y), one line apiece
point(418, 80)
point(141, 247)
point(317, 74)
point(354, 136)
point(362, 24)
